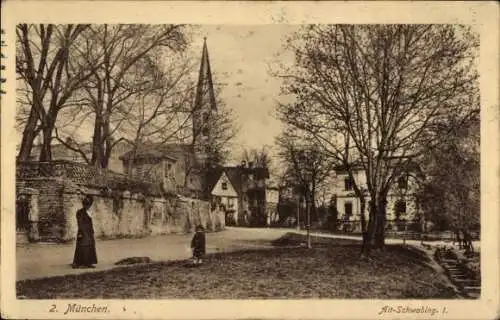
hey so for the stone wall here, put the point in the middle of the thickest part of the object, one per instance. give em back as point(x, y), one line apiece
point(116, 213)
point(48, 213)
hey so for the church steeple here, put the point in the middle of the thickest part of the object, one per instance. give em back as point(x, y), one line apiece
point(204, 108)
point(205, 93)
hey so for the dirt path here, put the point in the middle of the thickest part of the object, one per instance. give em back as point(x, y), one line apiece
point(46, 260)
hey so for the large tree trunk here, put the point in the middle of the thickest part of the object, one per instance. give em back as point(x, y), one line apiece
point(379, 228)
point(96, 142)
point(369, 232)
point(46, 150)
point(362, 214)
point(29, 135)
point(107, 140)
point(372, 223)
point(97, 137)
point(376, 226)
point(105, 159)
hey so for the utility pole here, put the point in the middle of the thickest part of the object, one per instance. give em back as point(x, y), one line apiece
point(298, 211)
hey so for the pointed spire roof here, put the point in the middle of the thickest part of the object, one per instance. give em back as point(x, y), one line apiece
point(205, 89)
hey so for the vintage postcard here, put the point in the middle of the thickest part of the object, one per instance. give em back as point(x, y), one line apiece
point(236, 160)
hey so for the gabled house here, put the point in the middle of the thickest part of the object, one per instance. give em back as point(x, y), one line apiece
point(225, 194)
point(171, 165)
point(247, 183)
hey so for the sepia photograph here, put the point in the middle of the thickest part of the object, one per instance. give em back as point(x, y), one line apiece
point(247, 161)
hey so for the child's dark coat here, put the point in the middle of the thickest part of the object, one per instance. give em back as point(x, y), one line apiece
point(198, 244)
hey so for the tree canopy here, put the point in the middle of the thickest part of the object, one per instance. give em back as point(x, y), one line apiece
point(373, 95)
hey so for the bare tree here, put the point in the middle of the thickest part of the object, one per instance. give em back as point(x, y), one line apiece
point(161, 112)
point(306, 165)
point(119, 79)
point(224, 130)
point(259, 157)
point(370, 95)
point(50, 70)
point(217, 147)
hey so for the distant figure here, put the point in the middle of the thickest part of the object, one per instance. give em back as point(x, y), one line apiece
point(198, 245)
point(85, 253)
point(457, 238)
point(467, 240)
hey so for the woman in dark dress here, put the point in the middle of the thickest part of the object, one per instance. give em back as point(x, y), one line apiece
point(85, 253)
point(198, 245)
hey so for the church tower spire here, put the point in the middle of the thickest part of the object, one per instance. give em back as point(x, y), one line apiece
point(204, 108)
point(205, 93)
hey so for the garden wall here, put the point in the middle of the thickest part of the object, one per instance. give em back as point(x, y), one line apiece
point(116, 212)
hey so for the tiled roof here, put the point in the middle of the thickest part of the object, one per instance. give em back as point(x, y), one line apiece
point(212, 176)
point(61, 152)
point(236, 175)
point(86, 175)
point(171, 151)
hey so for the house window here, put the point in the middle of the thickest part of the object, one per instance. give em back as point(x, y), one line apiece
point(347, 184)
point(403, 182)
point(230, 202)
point(224, 186)
point(347, 209)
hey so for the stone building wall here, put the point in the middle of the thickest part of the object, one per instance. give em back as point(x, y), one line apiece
point(116, 213)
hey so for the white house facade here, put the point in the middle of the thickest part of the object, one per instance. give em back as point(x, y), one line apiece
point(225, 194)
point(401, 202)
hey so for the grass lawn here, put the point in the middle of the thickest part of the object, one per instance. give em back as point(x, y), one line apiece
point(331, 270)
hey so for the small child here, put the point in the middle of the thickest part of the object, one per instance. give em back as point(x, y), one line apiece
point(198, 245)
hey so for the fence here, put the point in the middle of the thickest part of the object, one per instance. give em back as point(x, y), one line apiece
point(428, 236)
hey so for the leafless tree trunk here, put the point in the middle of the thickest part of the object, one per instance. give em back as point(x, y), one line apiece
point(306, 166)
point(370, 95)
point(126, 51)
point(51, 70)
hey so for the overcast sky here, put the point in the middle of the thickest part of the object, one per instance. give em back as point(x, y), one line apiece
point(240, 57)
